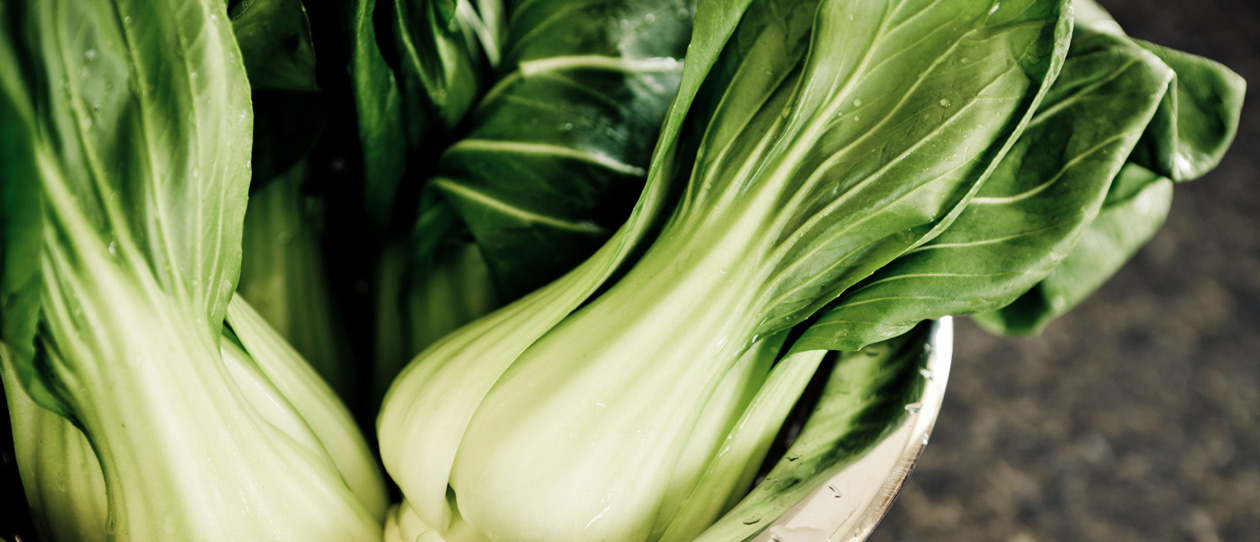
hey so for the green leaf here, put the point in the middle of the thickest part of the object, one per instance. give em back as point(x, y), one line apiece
point(1193, 126)
point(126, 147)
point(378, 106)
point(812, 175)
point(1088, 14)
point(1028, 215)
point(21, 213)
point(1134, 210)
point(1197, 120)
point(279, 56)
point(868, 394)
point(442, 63)
point(1199, 115)
point(555, 154)
point(275, 41)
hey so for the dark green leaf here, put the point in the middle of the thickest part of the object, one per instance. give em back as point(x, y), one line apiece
point(287, 126)
point(418, 66)
point(1135, 209)
point(867, 395)
point(867, 147)
point(1029, 214)
point(378, 105)
point(1199, 115)
point(556, 153)
point(1191, 129)
point(275, 41)
point(1197, 120)
point(442, 62)
point(21, 212)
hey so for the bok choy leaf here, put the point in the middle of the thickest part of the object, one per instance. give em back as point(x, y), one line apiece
point(1027, 217)
point(1195, 122)
point(279, 56)
point(866, 395)
point(556, 154)
point(417, 67)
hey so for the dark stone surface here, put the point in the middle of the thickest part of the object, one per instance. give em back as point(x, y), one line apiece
point(1136, 416)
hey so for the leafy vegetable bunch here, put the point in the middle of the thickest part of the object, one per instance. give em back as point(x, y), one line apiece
point(582, 260)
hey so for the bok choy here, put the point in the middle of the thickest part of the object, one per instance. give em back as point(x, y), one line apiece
point(843, 171)
point(816, 161)
point(126, 155)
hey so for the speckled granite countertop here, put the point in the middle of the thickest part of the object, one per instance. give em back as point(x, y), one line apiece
point(1136, 416)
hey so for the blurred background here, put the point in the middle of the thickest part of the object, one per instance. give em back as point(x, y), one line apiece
point(1137, 415)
